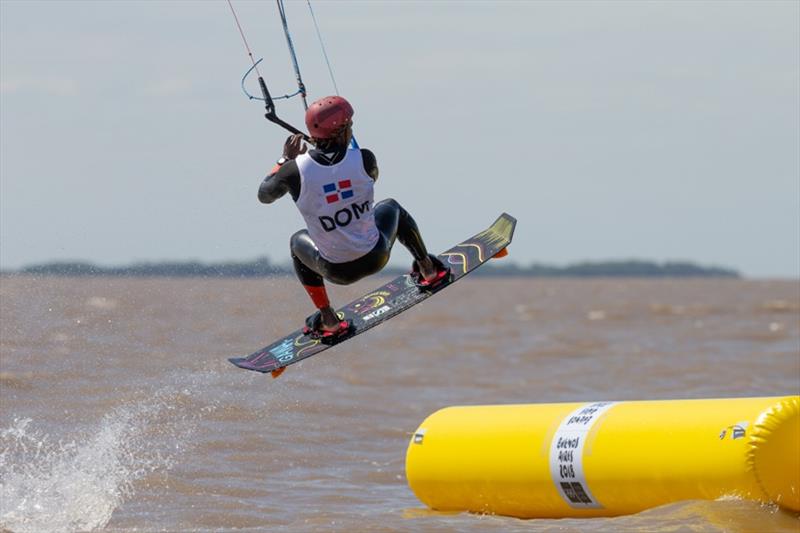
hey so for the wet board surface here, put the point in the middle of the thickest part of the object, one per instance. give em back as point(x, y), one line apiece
point(384, 302)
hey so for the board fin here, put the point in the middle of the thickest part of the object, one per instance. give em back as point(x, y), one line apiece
point(502, 253)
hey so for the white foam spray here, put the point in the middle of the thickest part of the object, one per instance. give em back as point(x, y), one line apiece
point(48, 485)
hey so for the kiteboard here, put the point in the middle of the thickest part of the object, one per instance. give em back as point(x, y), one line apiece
point(384, 302)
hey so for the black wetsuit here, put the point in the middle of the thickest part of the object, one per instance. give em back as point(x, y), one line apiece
point(392, 220)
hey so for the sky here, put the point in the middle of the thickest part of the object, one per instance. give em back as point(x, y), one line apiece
point(610, 130)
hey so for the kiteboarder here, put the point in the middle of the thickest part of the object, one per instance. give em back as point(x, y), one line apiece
point(348, 236)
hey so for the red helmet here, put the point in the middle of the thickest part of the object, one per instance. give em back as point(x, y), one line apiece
point(327, 115)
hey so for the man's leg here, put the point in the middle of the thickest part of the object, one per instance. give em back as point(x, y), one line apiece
point(306, 260)
point(395, 222)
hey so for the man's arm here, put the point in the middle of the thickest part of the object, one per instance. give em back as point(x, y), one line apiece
point(370, 164)
point(285, 179)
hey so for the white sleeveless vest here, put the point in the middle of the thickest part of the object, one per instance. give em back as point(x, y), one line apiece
point(336, 202)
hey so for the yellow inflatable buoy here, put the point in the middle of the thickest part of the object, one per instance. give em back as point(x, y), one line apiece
point(606, 458)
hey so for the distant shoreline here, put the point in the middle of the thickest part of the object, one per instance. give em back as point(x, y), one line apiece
point(262, 267)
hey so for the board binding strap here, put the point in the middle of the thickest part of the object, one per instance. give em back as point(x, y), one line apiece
point(313, 328)
point(442, 274)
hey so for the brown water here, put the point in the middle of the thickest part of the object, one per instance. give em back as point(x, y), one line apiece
point(120, 411)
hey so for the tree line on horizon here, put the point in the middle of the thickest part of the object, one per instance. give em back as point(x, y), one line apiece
point(263, 267)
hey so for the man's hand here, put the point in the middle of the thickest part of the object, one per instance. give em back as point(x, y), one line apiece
point(294, 146)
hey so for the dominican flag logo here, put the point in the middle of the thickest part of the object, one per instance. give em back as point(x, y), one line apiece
point(339, 190)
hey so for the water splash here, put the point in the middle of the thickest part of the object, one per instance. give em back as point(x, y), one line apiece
point(77, 485)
